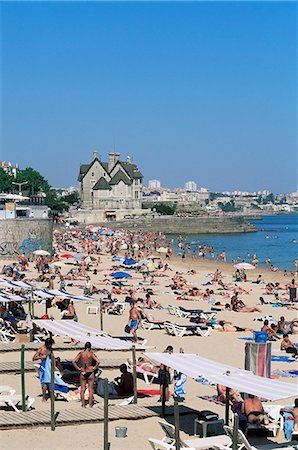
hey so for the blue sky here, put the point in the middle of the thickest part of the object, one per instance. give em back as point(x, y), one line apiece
point(202, 91)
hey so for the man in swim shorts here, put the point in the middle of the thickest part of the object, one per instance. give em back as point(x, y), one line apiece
point(135, 320)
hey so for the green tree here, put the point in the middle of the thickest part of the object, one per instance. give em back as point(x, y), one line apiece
point(71, 199)
point(5, 181)
point(165, 209)
point(35, 181)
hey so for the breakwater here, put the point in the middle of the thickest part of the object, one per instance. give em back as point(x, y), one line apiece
point(185, 225)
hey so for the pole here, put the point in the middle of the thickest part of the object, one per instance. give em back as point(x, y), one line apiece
point(177, 425)
point(101, 314)
point(227, 418)
point(53, 424)
point(235, 432)
point(106, 444)
point(163, 393)
point(23, 377)
point(134, 370)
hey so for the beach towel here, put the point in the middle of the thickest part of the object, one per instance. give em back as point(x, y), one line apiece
point(45, 377)
point(275, 358)
point(148, 392)
point(284, 373)
point(179, 384)
point(258, 358)
point(288, 425)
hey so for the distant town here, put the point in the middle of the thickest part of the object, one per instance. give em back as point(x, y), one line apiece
point(115, 190)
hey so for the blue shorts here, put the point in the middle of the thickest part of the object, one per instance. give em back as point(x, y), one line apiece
point(134, 324)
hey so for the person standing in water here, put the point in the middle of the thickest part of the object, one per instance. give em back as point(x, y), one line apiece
point(89, 363)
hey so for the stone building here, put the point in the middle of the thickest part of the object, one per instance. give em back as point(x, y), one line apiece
point(113, 188)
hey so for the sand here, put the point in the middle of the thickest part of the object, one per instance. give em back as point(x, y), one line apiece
point(222, 347)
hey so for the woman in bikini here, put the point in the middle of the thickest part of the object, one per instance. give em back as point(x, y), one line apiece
point(89, 363)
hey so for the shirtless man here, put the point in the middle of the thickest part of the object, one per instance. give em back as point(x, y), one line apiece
point(288, 346)
point(294, 412)
point(89, 363)
point(135, 320)
point(253, 408)
point(41, 354)
point(267, 329)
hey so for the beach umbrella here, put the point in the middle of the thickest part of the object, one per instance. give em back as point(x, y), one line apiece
point(123, 247)
point(66, 256)
point(151, 267)
point(41, 253)
point(153, 257)
point(129, 262)
point(162, 250)
point(121, 275)
point(118, 258)
point(245, 266)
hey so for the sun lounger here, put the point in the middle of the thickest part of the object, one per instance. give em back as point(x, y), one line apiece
point(149, 377)
point(6, 390)
point(276, 421)
point(194, 442)
point(151, 324)
point(244, 444)
point(13, 400)
point(7, 333)
point(117, 308)
point(180, 330)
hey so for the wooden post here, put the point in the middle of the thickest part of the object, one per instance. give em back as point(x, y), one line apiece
point(177, 425)
point(227, 418)
point(101, 314)
point(134, 373)
point(23, 377)
point(163, 394)
point(235, 432)
point(53, 424)
point(106, 444)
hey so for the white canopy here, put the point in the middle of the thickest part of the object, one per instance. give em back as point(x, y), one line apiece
point(244, 381)
point(83, 333)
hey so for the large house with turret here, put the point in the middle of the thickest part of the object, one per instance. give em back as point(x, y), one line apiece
point(113, 187)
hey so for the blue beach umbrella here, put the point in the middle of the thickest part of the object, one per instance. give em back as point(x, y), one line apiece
point(129, 262)
point(121, 275)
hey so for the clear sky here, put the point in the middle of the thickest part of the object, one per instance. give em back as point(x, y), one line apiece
point(202, 91)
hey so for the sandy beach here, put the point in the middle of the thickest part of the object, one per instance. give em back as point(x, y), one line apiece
point(221, 347)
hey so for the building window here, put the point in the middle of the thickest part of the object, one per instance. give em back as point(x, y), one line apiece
point(136, 195)
point(136, 181)
point(92, 174)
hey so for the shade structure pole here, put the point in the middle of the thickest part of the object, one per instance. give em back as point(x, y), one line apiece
point(23, 377)
point(106, 444)
point(235, 432)
point(227, 415)
point(100, 315)
point(134, 363)
point(177, 425)
point(52, 388)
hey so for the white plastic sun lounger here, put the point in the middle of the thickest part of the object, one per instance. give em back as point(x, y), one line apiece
point(13, 400)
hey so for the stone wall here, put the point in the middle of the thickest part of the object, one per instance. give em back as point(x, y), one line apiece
point(183, 225)
point(24, 236)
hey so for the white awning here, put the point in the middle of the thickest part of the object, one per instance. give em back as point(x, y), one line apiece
point(83, 333)
point(242, 380)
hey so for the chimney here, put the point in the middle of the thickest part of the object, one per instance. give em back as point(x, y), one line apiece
point(95, 155)
point(113, 158)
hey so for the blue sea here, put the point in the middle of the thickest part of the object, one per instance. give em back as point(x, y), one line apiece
point(274, 240)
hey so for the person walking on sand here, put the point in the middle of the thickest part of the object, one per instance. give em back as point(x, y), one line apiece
point(135, 320)
point(89, 363)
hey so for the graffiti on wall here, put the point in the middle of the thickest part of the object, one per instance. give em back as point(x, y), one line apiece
point(9, 248)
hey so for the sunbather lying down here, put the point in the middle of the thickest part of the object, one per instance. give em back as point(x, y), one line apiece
point(144, 364)
point(228, 327)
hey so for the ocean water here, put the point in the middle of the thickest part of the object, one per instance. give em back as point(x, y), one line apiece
point(274, 240)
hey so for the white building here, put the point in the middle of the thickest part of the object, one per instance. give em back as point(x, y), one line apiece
point(154, 184)
point(190, 186)
point(9, 168)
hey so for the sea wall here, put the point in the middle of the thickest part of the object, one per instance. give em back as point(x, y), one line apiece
point(185, 225)
point(24, 236)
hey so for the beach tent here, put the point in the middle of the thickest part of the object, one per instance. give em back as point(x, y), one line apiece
point(83, 333)
point(41, 253)
point(195, 366)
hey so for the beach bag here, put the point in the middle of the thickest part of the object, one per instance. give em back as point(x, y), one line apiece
point(127, 329)
point(207, 415)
